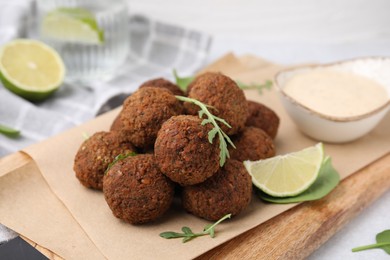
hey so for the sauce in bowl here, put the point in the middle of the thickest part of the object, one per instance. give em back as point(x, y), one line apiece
point(335, 93)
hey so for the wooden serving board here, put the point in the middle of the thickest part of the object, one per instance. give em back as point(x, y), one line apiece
point(296, 233)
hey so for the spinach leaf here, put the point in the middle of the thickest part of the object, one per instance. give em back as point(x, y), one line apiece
point(382, 242)
point(327, 180)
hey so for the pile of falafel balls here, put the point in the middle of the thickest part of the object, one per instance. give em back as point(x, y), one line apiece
point(168, 151)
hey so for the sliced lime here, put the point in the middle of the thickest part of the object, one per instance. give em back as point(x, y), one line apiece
point(72, 25)
point(30, 69)
point(287, 175)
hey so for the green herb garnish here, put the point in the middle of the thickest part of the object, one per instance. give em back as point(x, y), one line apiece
point(182, 82)
point(118, 158)
point(85, 135)
point(259, 87)
point(382, 242)
point(8, 131)
point(211, 119)
point(187, 234)
point(327, 180)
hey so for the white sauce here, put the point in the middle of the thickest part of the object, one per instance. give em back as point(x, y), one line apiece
point(337, 94)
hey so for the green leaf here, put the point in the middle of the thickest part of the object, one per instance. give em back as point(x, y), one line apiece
point(182, 82)
point(205, 121)
point(188, 234)
point(210, 229)
point(259, 87)
point(186, 230)
point(327, 180)
point(212, 134)
point(170, 234)
point(382, 242)
point(186, 239)
point(119, 157)
point(211, 119)
point(200, 113)
point(223, 151)
point(8, 131)
point(85, 135)
point(384, 238)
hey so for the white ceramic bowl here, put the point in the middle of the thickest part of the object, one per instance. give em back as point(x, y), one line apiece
point(337, 129)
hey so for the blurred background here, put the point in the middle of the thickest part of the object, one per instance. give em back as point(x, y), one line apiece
point(282, 31)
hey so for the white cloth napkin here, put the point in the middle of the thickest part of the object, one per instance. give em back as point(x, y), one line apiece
point(156, 49)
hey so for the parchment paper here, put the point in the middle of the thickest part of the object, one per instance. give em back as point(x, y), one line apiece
point(118, 240)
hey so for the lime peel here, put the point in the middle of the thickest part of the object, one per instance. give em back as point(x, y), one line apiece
point(72, 25)
point(287, 175)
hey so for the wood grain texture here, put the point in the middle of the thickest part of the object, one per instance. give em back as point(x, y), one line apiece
point(296, 233)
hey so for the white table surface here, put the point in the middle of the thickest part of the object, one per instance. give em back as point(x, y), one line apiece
point(292, 32)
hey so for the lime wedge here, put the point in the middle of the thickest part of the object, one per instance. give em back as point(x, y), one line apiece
point(287, 175)
point(30, 69)
point(72, 25)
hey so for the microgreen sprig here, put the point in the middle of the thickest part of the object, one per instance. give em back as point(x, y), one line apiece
point(182, 82)
point(187, 234)
point(260, 87)
point(211, 119)
point(85, 135)
point(117, 158)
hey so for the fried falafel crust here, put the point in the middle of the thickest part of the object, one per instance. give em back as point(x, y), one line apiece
point(96, 153)
point(136, 191)
point(226, 98)
point(252, 144)
point(183, 151)
point(263, 117)
point(117, 123)
point(145, 111)
point(163, 83)
point(228, 191)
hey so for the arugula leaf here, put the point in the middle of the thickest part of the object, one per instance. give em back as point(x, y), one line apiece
point(211, 119)
point(187, 234)
point(382, 242)
point(8, 131)
point(117, 158)
point(182, 82)
point(326, 181)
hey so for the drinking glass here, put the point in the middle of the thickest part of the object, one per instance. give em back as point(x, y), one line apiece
point(87, 61)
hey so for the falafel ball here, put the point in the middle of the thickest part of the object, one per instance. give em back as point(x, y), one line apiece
point(163, 83)
point(183, 151)
point(223, 94)
point(145, 111)
point(136, 191)
point(252, 144)
point(263, 117)
point(228, 191)
point(96, 153)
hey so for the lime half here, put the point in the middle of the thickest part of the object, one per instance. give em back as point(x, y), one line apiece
point(72, 25)
point(30, 69)
point(287, 175)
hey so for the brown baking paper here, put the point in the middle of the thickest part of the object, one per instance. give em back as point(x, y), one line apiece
point(118, 240)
